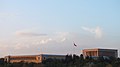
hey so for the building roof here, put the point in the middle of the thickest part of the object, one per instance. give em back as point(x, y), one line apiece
point(100, 49)
point(35, 55)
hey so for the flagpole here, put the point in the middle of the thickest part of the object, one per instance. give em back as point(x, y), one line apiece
point(74, 47)
point(73, 50)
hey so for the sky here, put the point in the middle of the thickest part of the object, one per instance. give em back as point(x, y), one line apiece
point(30, 27)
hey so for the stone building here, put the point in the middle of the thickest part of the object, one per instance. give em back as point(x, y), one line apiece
point(32, 58)
point(100, 52)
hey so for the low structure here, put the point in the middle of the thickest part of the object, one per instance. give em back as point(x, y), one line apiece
point(32, 58)
point(100, 52)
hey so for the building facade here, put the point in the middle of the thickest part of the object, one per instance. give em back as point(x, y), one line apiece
point(100, 52)
point(32, 58)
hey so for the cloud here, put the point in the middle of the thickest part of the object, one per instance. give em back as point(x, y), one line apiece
point(60, 43)
point(23, 33)
point(38, 39)
point(62, 40)
point(97, 31)
point(52, 43)
point(43, 41)
point(88, 29)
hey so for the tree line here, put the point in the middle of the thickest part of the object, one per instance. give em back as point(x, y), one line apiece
point(81, 61)
point(69, 61)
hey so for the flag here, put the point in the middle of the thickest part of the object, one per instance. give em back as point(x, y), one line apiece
point(75, 45)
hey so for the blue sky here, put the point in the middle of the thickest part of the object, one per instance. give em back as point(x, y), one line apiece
point(51, 26)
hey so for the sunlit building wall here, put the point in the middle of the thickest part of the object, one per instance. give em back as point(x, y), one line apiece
point(100, 52)
point(32, 58)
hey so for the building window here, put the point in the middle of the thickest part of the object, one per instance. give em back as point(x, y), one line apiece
point(44, 58)
point(38, 58)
